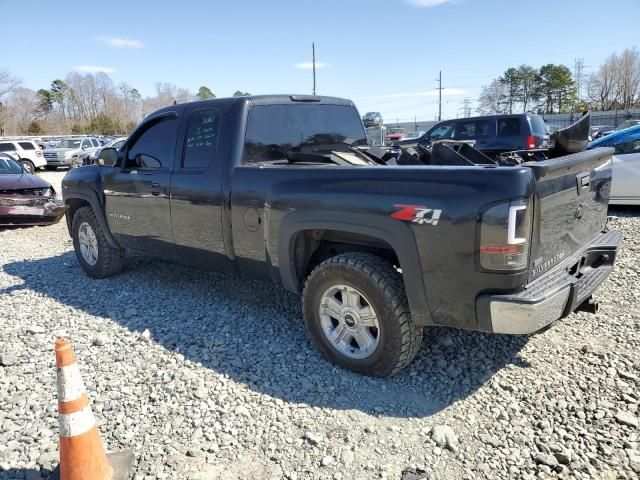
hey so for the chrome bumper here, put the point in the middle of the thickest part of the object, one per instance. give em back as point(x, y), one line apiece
point(552, 296)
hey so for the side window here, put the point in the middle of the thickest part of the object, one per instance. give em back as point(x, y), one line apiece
point(508, 127)
point(201, 139)
point(7, 147)
point(27, 145)
point(86, 143)
point(154, 147)
point(471, 130)
point(629, 143)
point(95, 142)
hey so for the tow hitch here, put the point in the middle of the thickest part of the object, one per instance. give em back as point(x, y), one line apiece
point(589, 305)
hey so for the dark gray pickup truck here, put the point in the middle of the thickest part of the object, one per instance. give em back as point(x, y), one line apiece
point(285, 188)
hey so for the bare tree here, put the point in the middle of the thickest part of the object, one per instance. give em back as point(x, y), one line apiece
point(493, 98)
point(7, 82)
point(629, 72)
point(22, 107)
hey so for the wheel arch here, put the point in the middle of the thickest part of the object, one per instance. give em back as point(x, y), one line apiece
point(75, 200)
point(302, 233)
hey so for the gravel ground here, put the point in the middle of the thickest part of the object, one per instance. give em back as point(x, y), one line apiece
point(208, 376)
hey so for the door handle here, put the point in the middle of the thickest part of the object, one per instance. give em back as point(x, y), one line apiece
point(155, 189)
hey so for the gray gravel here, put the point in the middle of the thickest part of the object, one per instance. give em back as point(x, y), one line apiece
point(207, 376)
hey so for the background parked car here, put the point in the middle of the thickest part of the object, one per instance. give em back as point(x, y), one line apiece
point(70, 151)
point(413, 135)
point(597, 131)
point(493, 133)
point(372, 119)
point(27, 152)
point(395, 133)
point(26, 199)
point(628, 123)
point(625, 182)
point(115, 143)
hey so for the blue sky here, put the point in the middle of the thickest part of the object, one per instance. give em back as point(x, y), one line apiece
point(383, 54)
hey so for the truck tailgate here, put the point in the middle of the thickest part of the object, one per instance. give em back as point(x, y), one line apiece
point(572, 195)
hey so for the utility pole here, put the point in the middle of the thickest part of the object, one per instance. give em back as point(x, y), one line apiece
point(578, 69)
point(466, 107)
point(439, 80)
point(313, 53)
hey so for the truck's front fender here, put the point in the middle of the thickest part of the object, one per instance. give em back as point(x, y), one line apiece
point(396, 234)
point(84, 184)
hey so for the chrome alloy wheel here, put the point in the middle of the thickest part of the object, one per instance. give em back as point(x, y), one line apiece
point(349, 322)
point(88, 243)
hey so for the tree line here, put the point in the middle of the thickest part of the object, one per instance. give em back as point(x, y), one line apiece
point(554, 88)
point(81, 104)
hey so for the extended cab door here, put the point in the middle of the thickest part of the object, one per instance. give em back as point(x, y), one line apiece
point(196, 191)
point(137, 191)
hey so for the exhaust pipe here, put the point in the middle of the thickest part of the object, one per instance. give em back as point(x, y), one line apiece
point(589, 305)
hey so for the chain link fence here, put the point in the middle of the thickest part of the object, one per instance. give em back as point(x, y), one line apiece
point(613, 118)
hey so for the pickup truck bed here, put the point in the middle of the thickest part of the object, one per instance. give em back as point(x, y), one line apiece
point(281, 188)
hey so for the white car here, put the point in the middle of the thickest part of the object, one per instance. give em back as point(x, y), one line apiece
point(625, 182)
point(27, 152)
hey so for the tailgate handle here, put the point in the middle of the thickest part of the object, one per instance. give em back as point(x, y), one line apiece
point(583, 180)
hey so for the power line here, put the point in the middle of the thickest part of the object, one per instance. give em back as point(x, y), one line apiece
point(439, 80)
point(466, 107)
point(578, 69)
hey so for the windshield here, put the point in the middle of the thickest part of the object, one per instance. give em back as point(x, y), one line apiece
point(68, 144)
point(9, 167)
point(274, 130)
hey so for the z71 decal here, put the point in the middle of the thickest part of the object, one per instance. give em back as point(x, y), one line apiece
point(419, 214)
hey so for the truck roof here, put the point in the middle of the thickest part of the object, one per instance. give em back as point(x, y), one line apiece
point(260, 100)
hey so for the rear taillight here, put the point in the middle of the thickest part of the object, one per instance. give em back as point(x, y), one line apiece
point(38, 153)
point(505, 231)
point(531, 142)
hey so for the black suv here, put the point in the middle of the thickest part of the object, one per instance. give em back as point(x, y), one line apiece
point(493, 133)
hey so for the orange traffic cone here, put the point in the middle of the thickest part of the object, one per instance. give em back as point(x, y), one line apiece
point(82, 456)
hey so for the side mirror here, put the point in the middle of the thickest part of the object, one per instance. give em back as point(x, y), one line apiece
point(108, 157)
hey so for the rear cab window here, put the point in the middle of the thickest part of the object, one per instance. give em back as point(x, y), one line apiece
point(274, 130)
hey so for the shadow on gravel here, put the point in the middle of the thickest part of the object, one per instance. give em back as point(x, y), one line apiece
point(253, 332)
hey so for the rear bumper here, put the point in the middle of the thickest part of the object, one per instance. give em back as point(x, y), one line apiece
point(553, 295)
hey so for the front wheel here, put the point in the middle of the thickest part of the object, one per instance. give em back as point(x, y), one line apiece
point(28, 166)
point(356, 313)
point(96, 257)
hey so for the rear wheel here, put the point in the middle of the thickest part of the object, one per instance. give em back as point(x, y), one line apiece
point(357, 315)
point(28, 165)
point(96, 257)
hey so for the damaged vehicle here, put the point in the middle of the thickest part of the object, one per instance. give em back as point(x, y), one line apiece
point(285, 188)
point(26, 199)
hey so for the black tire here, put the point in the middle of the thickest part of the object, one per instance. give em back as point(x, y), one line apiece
point(109, 260)
point(382, 285)
point(28, 165)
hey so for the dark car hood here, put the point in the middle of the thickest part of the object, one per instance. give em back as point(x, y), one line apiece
point(20, 181)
